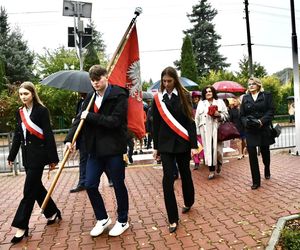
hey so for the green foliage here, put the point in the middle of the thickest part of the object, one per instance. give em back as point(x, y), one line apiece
point(14, 53)
point(95, 51)
point(205, 39)
point(272, 84)
point(290, 239)
point(145, 85)
point(188, 63)
point(61, 104)
point(2, 76)
point(52, 61)
point(258, 70)
point(216, 76)
point(285, 91)
point(90, 58)
point(9, 103)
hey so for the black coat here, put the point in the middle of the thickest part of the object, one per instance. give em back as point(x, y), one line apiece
point(262, 109)
point(104, 132)
point(164, 138)
point(37, 153)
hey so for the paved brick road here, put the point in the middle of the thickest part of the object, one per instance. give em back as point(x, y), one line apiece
point(227, 213)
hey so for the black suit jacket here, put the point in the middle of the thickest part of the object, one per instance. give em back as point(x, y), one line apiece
point(104, 133)
point(164, 138)
point(36, 153)
point(262, 109)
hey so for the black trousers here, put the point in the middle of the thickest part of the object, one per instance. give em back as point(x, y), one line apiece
point(183, 163)
point(253, 159)
point(33, 191)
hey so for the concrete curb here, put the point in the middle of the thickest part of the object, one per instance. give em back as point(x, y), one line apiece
point(277, 231)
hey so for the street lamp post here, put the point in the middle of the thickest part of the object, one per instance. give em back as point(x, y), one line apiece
point(296, 78)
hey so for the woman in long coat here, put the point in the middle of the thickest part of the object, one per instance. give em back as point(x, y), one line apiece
point(34, 135)
point(257, 111)
point(207, 126)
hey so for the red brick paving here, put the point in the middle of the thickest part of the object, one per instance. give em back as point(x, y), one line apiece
point(227, 214)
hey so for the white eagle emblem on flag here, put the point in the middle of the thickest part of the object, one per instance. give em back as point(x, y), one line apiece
point(135, 86)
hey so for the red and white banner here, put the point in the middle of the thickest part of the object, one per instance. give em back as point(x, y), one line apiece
point(126, 74)
point(30, 126)
point(169, 118)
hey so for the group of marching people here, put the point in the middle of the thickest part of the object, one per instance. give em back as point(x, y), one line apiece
point(177, 132)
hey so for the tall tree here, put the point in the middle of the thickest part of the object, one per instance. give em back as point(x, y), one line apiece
point(243, 75)
point(14, 52)
point(95, 51)
point(188, 63)
point(52, 61)
point(205, 39)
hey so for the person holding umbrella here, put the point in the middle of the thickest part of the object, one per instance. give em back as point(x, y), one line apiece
point(34, 135)
point(104, 132)
point(174, 137)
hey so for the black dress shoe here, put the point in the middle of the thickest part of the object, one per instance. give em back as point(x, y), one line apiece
point(77, 189)
point(255, 186)
point(267, 177)
point(185, 209)
point(172, 229)
point(57, 216)
point(16, 240)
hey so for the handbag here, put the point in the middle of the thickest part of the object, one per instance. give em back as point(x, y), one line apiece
point(275, 130)
point(252, 122)
point(227, 131)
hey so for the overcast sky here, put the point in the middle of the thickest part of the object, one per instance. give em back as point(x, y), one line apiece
point(160, 28)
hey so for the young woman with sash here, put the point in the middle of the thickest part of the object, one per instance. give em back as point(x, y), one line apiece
point(34, 135)
point(174, 137)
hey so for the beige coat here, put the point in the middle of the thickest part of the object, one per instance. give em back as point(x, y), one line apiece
point(207, 127)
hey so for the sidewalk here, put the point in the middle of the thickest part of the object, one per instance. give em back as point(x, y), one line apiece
point(227, 214)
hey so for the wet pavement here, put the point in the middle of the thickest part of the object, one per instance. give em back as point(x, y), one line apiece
point(227, 214)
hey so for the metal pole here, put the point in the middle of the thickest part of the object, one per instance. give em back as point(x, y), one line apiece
point(296, 79)
point(249, 44)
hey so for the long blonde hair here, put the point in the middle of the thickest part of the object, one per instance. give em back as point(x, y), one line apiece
point(30, 87)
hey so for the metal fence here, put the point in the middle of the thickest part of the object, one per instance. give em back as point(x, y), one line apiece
point(5, 145)
point(285, 140)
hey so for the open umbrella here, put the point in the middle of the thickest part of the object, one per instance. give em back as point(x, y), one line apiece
point(187, 83)
point(147, 95)
point(75, 80)
point(228, 86)
point(290, 98)
point(224, 95)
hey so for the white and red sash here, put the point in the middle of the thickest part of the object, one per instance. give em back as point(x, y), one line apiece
point(30, 126)
point(169, 118)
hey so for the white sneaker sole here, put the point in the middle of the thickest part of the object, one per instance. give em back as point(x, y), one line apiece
point(111, 233)
point(97, 233)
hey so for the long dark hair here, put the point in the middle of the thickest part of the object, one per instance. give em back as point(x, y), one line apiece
point(183, 93)
point(213, 90)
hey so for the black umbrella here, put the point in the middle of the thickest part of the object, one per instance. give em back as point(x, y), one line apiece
point(75, 80)
point(147, 95)
point(187, 83)
point(290, 98)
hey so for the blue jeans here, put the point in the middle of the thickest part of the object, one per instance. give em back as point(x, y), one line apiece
point(116, 167)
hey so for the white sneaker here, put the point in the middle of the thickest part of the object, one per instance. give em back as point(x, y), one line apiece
point(100, 226)
point(118, 228)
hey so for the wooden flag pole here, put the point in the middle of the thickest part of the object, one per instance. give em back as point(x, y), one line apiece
point(110, 67)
